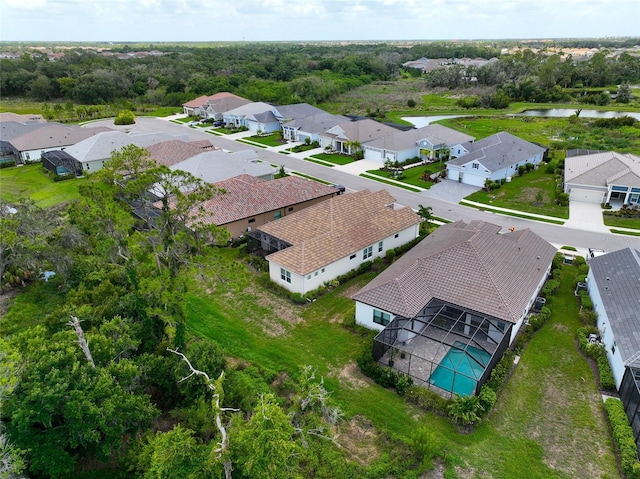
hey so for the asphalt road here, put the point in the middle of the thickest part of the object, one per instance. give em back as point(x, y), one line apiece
point(555, 234)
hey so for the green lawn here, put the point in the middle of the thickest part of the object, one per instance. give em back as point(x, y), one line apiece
point(621, 222)
point(412, 176)
point(334, 158)
point(30, 181)
point(274, 139)
point(521, 194)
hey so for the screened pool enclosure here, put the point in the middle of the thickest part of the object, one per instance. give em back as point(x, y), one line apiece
point(445, 348)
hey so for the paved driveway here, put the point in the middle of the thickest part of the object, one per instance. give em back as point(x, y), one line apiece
point(586, 216)
point(451, 191)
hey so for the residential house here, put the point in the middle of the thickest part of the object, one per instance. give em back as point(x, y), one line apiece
point(220, 103)
point(311, 127)
point(195, 107)
point(326, 240)
point(603, 177)
point(256, 116)
point(614, 287)
point(249, 202)
point(26, 118)
point(426, 142)
point(448, 308)
point(170, 152)
point(218, 165)
point(26, 142)
point(348, 137)
point(495, 158)
point(93, 152)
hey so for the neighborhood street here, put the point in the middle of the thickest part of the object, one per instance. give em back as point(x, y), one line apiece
point(555, 234)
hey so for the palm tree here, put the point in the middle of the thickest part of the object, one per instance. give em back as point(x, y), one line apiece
point(425, 212)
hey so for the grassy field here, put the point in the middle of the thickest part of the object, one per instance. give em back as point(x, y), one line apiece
point(31, 181)
point(522, 192)
point(274, 139)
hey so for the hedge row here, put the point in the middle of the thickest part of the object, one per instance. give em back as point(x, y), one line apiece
point(623, 434)
point(385, 377)
point(536, 321)
point(597, 353)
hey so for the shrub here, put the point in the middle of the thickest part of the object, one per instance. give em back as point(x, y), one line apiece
point(390, 255)
point(605, 374)
point(125, 117)
point(550, 287)
point(589, 318)
point(623, 435)
point(425, 444)
point(411, 103)
point(585, 300)
point(466, 410)
point(522, 170)
point(427, 399)
point(501, 370)
point(579, 261)
point(562, 199)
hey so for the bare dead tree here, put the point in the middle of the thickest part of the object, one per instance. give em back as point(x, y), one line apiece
point(84, 344)
point(223, 445)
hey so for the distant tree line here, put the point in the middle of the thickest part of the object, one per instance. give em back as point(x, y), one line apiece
point(284, 73)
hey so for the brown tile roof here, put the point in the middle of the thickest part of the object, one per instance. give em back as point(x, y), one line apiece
point(202, 100)
point(170, 152)
point(326, 232)
point(469, 265)
point(247, 196)
point(196, 102)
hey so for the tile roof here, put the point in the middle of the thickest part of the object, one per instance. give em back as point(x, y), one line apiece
point(469, 265)
point(617, 277)
point(331, 230)
point(54, 136)
point(170, 152)
point(603, 168)
point(222, 102)
point(297, 110)
point(360, 130)
point(498, 151)
point(196, 102)
point(436, 135)
point(218, 165)
point(14, 129)
point(247, 196)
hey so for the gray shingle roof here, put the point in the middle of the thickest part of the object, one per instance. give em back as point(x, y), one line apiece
point(469, 265)
point(297, 110)
point(436, 135)
point(617, 277)
point(360, 130)
point(35, 136)
point(218, 165)
point(100, 146)
point(602, 168)
point(498, 151)
point(316, 123)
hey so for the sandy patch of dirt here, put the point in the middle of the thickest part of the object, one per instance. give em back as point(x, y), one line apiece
point(360, 439)
point(351, 376)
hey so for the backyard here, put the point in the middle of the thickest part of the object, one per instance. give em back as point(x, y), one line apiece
point(548, 420)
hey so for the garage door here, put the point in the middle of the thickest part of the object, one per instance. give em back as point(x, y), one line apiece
point(588, 196)
point(453, 174)
point(375, 155)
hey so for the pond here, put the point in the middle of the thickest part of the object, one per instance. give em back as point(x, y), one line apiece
point(420, 121)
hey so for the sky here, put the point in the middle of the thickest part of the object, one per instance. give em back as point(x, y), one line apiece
point(309, 20)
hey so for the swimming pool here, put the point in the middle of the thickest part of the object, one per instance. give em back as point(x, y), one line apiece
point(460, 369)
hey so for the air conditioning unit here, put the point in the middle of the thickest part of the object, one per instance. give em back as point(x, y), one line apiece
point(248, 229)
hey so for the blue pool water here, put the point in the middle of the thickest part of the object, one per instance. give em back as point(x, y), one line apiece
point(459, 371)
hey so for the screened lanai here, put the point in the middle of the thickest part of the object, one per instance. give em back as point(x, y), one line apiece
point(446, 348)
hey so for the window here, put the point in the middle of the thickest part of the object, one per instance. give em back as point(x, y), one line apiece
point(380, 247)
point(285, 275)
point(308, 276)
point(291, 208)
point(613, 348)
point(381, 318)
point(352, 256)
point(252, 220)
point(277, 215)
point(322, 270)
point(476, 166)
point(367, 252)
point(397, 235)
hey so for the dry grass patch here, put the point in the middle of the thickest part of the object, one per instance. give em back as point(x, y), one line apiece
point(351, 376)
point(360, 439)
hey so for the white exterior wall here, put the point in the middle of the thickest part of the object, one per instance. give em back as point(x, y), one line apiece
point(315, 279)
point(364, 316)
point(34, 156)
point(93, 166)
point(606, 332)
